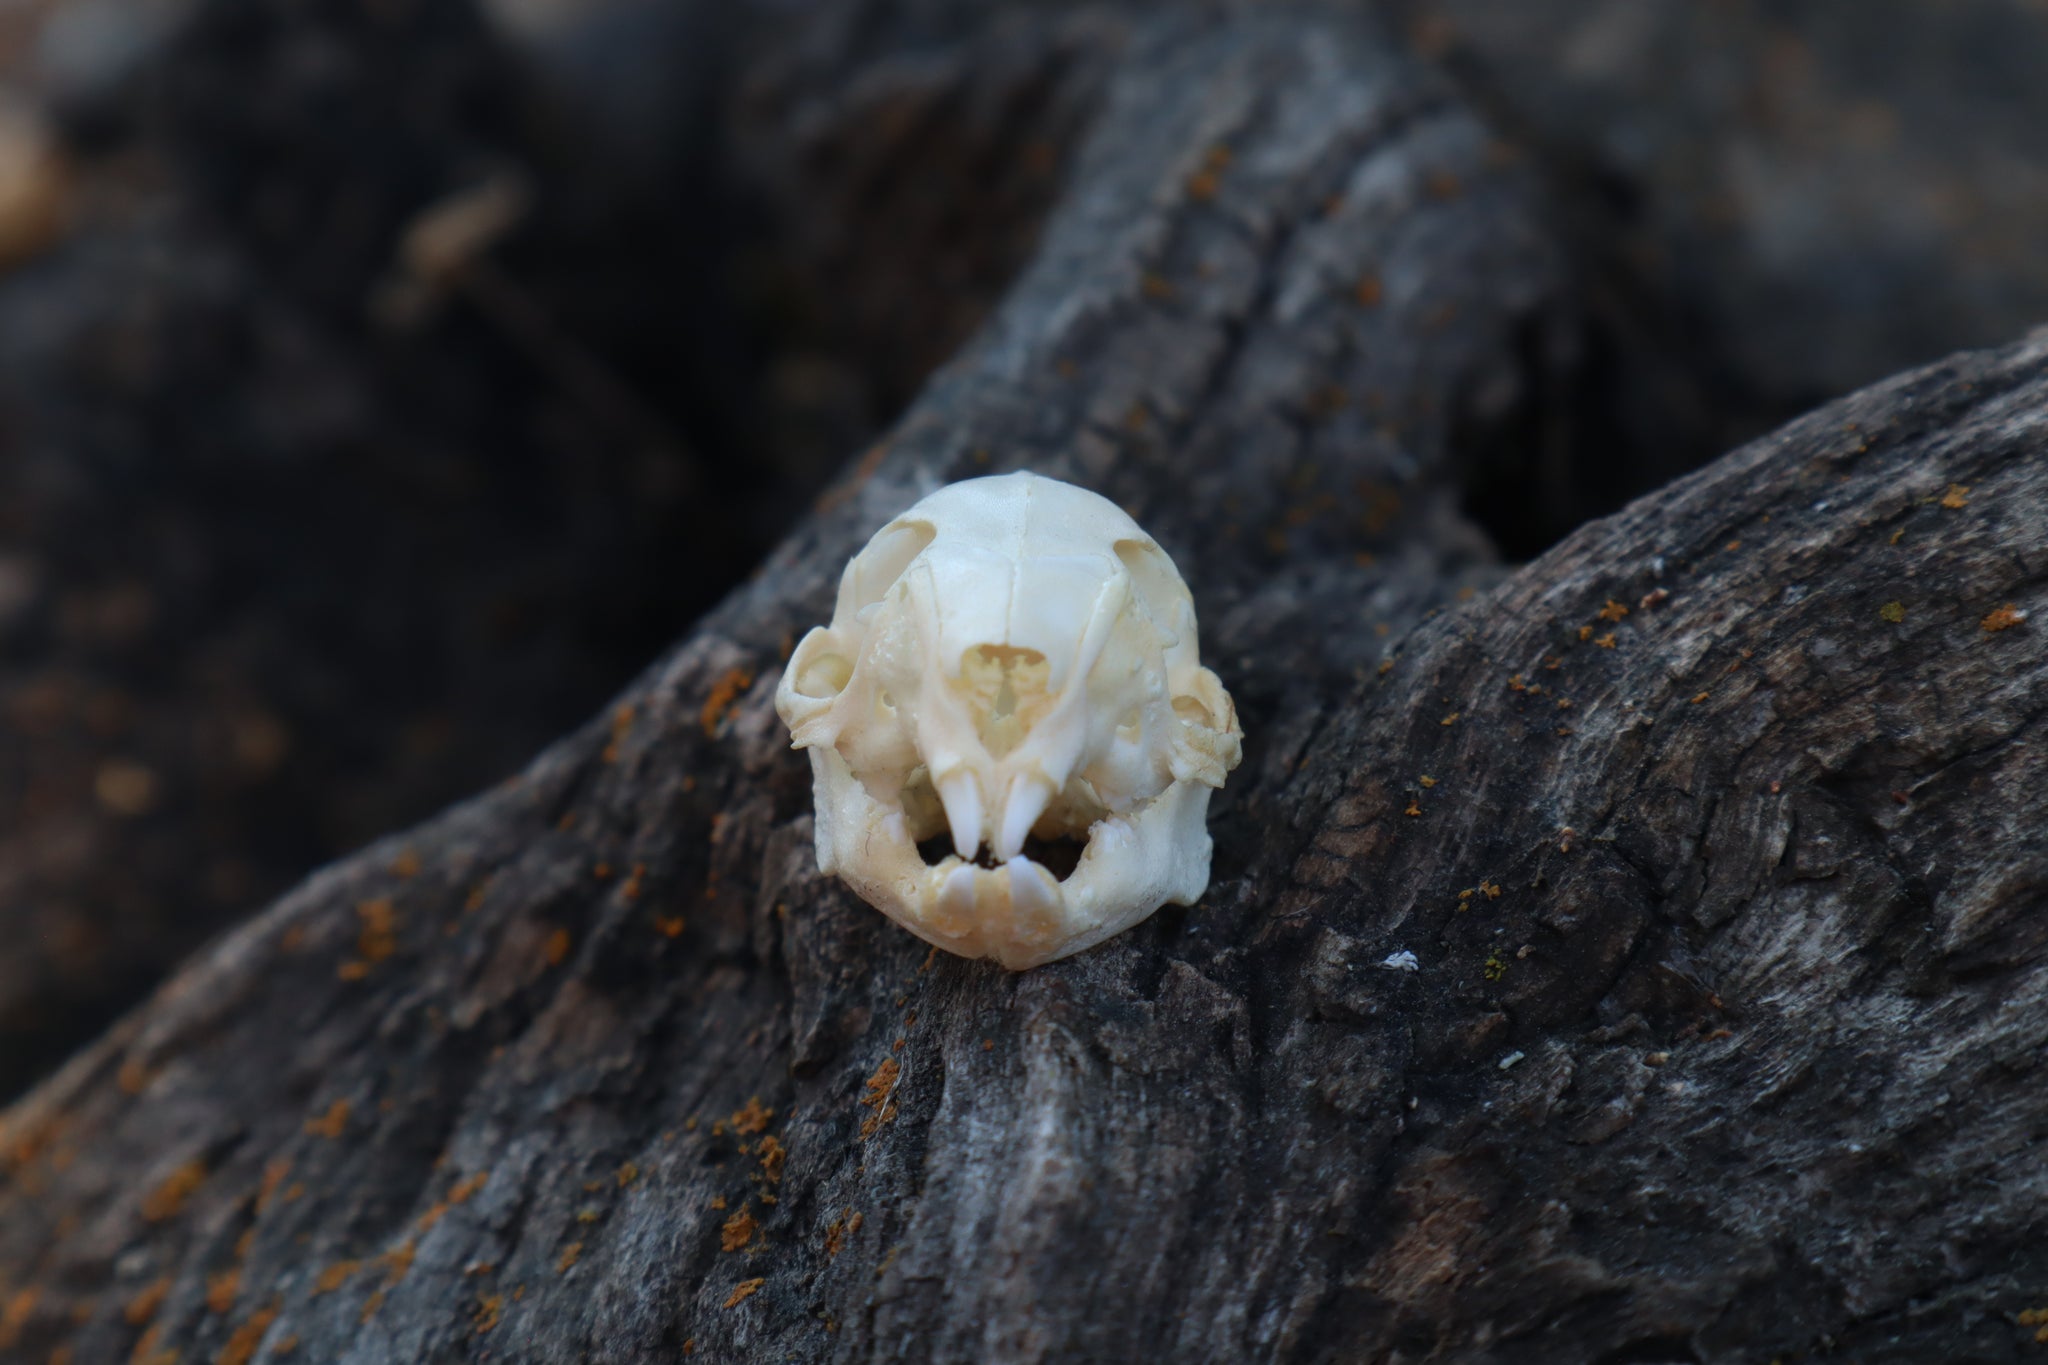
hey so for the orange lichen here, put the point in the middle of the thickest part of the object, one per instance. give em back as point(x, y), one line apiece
point(880, 1088)
point(1156, 286)
point(626, 1174)
point(330, 1124)
point(1451, 719)
point(1413, 809)
point(1585, 633)
point(669, 926)
point(738, 1230)
point(629, 890)
point(240, 1348)
point(724, 693)
point(15, 1313)
point(556, 948)
point(772, 1156)
point(378, 939)
point(222, 1288)
point(622, 725)
point(1613, 611)
point(398, 1261)
point(570, 1255)
point(132, 1077)
point(406, 865)
point(1957, 497)
point(489, 1309)
point(459, 1195)
point(744, 1290)
point(1699, 698)
point(2005, 618)
point(1893, 612)
point(1605, 641)
point(274, 1173)
point(1368, 291)
point(752, 1117)
point(168, 1198)
point(143, 1306)
point(146, 1350)
point(335, 1276)
point(1427, 781)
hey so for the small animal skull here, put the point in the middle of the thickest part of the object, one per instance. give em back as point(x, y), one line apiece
point(1012, 658)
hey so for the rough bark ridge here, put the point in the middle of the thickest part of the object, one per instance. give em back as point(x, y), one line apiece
point(1716, 833)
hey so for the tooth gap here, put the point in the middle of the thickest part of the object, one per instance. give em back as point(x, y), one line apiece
point(1059, 856)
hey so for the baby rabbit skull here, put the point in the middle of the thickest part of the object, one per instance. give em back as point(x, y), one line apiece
point(1012, 657)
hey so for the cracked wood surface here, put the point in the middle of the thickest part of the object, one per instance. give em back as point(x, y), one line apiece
point(1716, 834)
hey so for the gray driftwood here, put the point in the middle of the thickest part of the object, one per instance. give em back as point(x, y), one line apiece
point(1719, 835)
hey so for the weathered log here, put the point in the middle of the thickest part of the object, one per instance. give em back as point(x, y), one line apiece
point(1716, 834)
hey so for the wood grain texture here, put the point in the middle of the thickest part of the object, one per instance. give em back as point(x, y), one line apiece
point(1717, 833)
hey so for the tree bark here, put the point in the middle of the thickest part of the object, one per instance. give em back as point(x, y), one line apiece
point(1716, 833)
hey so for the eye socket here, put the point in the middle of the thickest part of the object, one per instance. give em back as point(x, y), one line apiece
point(875, 569)
point(1157, 583)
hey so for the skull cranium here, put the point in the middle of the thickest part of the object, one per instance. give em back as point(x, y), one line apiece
point(1012, 659)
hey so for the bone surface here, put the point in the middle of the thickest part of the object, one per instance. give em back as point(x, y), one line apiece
point(1012, 660)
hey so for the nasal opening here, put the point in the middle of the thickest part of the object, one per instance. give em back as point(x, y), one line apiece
point(1008, 688)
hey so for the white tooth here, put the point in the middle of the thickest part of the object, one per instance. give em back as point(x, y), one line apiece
point(1035, 900)
point(960, 794)
point(1028, 798)
point(957, 895)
